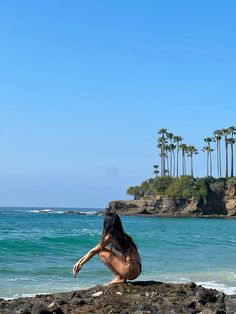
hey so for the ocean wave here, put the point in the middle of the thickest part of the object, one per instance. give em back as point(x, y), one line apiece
point(176, 279)
point(41, 211)
point(218, 286)
point(65, 212)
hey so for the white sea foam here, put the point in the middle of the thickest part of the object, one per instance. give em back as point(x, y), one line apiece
point(218, 286)
point(46, 211)
point(50, 211)
point(88, 213)
point(222, 287)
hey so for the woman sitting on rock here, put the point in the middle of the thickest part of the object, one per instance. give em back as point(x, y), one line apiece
point(122, 258)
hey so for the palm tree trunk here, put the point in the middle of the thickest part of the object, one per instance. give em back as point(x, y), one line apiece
point(226, 158)
point(170, 162)
point(207, 164)
point(163, 159)
point(167, 163)
point(218, 165)
point(232, 160)
point(177, 161)
point(210, 164)
point(220, 160)
point(191, 162)
point(184, 165)
point(173, 163)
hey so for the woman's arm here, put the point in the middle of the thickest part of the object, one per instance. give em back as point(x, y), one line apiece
point(90, 254)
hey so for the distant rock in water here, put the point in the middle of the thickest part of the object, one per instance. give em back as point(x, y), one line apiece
point(45, 211)
point(136, 297)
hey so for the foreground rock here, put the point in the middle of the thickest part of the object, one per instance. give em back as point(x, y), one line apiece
point(136, 297)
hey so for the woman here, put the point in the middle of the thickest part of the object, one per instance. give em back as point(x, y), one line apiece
point(122, 258)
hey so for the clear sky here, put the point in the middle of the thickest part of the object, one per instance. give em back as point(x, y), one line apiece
point(85, 86)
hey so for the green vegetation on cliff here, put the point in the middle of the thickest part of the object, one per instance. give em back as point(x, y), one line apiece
point(185, 187)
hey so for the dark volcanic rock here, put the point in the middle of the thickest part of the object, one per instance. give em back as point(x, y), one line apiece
point(136, 297)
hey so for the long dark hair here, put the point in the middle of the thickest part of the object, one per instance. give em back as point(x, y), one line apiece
point(120, 241)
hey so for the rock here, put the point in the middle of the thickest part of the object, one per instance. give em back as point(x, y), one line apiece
point(119, 293)
point(206, 296)
point(231, 305)
point(55, 308)
point(77, 301)
point(133, 297)
point(21, 307)
point(97, 294)
point(41, 311)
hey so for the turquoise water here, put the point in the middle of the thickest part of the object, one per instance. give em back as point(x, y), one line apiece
point(38, 250)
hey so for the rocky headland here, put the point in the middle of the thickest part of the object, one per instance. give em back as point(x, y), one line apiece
point(129, 298)
point(217, 199)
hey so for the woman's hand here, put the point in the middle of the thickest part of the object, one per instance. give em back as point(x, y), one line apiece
point(85, 259)
point(76, 268)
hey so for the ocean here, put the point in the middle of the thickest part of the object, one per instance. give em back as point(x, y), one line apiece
point(39, 246)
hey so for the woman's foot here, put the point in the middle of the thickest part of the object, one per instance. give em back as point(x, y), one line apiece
point(117, 279)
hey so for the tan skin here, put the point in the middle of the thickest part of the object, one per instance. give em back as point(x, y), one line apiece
point(123, 268)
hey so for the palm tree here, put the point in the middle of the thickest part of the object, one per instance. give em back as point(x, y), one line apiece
point(156, 171)
point(172, 151)
point(231, 141)
point(208, 150)
point(167, 150)
point(226, 132)
point(162, 141)
point(192, 151)
point(183, 148)
point(177, 140)
point(232, 130)
point(208, 140)
point(170, 138)
point(161, 146)
point(217, 137)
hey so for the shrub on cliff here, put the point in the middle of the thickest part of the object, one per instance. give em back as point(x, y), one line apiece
point(232, 181)
point(151, 187)
point(218, 186)
point(161, 184)
point(187, 187)
point(134, 191)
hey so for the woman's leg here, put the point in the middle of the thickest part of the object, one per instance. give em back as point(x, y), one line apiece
point(115, 264)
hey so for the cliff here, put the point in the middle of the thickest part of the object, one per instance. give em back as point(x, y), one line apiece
point(136, 297)
point(219, 201)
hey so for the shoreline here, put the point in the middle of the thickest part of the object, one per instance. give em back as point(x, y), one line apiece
point(168, 216)
point(131, 297)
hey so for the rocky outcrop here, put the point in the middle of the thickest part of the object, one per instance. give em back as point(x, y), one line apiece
point(163, 206)
point(127, 298)
point(230, 199)
point(206, 197)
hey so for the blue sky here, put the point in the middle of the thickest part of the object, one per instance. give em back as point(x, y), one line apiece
point(85, 86)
